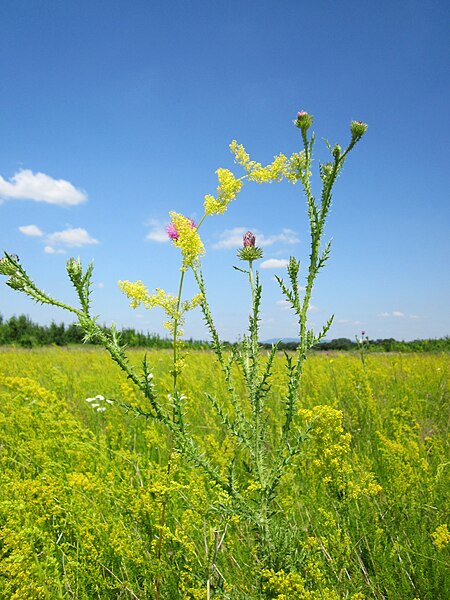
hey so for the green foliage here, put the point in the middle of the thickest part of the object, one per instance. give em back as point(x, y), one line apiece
point(22, 331)
point(261, 447)
point(81, 491)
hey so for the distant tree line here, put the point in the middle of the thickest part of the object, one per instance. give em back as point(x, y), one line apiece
point(23, 332)
point(380, 345)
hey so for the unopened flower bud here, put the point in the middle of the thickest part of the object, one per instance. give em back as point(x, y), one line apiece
point(337, 151)
point(16, 283)
point(7, 266)
point(304, 120)
point(74, 268)
point(249, 251)
point(327, 169)
point(249, 240)
point(358, 129)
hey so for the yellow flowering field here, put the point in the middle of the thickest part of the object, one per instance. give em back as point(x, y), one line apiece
point(89, 508)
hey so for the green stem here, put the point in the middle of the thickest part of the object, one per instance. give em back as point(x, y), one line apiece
point(175, 333)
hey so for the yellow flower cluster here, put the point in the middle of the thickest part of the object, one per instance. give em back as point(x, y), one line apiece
point(330, 457)
point(188, 240)
point(136, 292)
point(283, 586)
point(139, 294)
point(441, 537)
point(275, 171)
point(296, 167)
point(227, 190)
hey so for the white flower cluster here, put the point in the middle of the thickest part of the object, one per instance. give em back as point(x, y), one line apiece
point(96, 402)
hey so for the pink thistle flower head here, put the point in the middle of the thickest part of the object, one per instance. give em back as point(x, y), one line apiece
point(249, 240)
point(172, 232)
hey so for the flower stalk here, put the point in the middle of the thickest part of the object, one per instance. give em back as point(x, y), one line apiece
point(264, 442)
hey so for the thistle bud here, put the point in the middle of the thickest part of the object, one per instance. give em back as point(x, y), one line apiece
point(249, 240)
point(304, 120)
point(16, 282)
point(74, 268)
point(249, 251)
point(7, 264)
point(358, 129)
point(337, 151)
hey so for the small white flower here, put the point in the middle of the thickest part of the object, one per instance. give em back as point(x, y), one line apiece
point(90, 399)
point(95, 405)
point(109, 401)
point(100, 397)
point(101, 409)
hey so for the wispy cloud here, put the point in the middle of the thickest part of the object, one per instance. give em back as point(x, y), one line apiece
point(51, 250)
point(285, 305)
point(31, 230)
point(394, 313)
point(274, 263)
point(349, 322)
point(72, 237)
point(26, 185)
point(157, 231)
point(232, 238)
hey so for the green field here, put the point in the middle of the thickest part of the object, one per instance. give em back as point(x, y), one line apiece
point(89, 510)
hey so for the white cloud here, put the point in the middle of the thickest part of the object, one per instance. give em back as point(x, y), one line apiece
point(232, 238)
point(349, 322)
point(274, 263)
point(70, 237)
point(394, 313)
point(26, 185)
point(51, 250)
point(285, 305)
point(32, 230)
point(157, 232)
point(313, 308)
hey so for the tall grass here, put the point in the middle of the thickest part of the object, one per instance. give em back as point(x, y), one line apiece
point(81, 491)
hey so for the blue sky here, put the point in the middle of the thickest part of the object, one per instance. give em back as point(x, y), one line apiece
point(113, 113)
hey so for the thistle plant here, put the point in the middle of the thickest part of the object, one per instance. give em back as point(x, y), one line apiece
point(263, 442)
point(362, 344)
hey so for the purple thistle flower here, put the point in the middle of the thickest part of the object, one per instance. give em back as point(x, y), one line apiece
point(172, 232)
point(249, 240)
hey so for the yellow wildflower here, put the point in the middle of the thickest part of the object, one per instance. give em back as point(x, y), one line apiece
point(227, 190)
point(137, 292)
point(441, 537)
point(183, 233)
point(275, 171)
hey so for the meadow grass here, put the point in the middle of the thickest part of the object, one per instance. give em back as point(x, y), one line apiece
point(82, 491)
